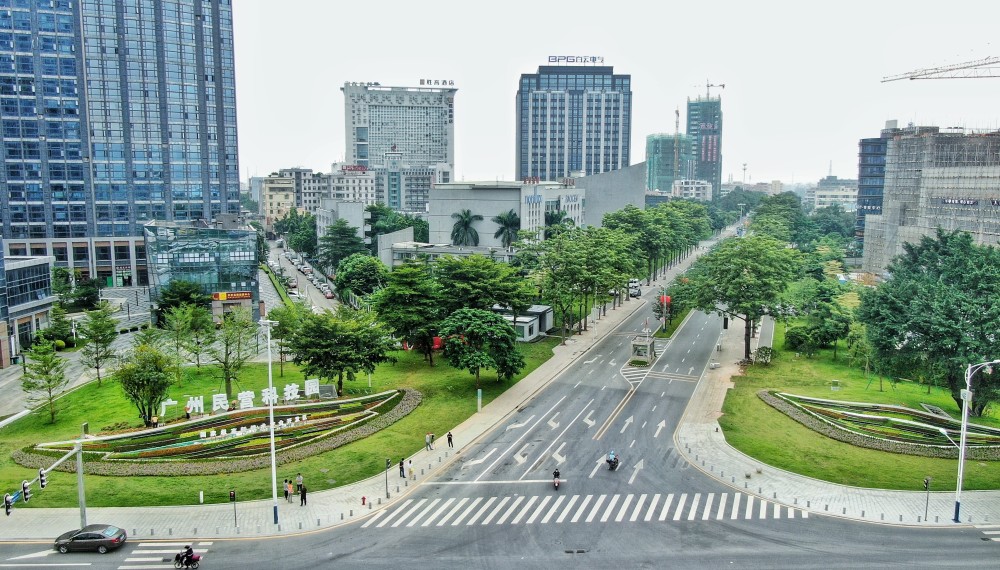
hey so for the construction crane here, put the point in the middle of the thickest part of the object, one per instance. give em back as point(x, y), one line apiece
point(677, 136)
point(709, 86)
point(976, 69)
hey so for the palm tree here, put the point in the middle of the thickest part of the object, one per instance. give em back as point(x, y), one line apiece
point(509, 223)
point(557, 221)
point(463, 233)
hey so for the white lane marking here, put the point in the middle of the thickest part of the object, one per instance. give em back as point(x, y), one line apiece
point(490, 468)
point(638, 508)
point(468, 510)
point(805, 514)
point(377, 516)
point(590, 423)
point(662, 394)
point(589, 373)
point(520, 457)
point(437, 513)
point(603, 387)
point(611, 506)
point(429, 508)
point(749, 513)
point(736, 505)
point(403, 518)
point(694, 506)
point(557, 438)
point(579, 512)
point(652, 508)
point(708, 506)
point(509, 511)
point(452, 512)
point(638, 467)
point(524, 511)
point(622, 511)
point(555, 507)
point(680, 507)
point(597, 506)
point(791, 513)
point(394, 513)
point(666, 507)
point(41, 554)
point(596, 467)
point(722, 506)
point(577, 384)
point(478, 461)
point(560, 459)
point(763, 509)
point(777, 511)
point(654, 409)
point(631, 445)
point(495, 511)
point(538, 511)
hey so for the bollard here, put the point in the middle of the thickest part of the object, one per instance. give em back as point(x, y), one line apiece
point(760, 490)
point(134, 533)
point(406, 483)
point(370, 505)
point(422, 471)
point(702, 462)
point(439, 459)
point(201, 497)
point(918, 518)
point(238, 529)
point(900, 518)
point(397, 487)
point(775, 495)
point(380, 500)
point(300, 526)
point(862, 514)
point(826, 507)
point(170, 531)
point(734, 479)
point(935, 518)
point(746, 485)
point(796, 501)
point(317, 522)
point(363, 500)
point(808, 504)
point(843, 511)
point(341, 516)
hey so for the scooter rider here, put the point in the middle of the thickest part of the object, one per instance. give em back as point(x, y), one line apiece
point(187, 555)
point(555, 474)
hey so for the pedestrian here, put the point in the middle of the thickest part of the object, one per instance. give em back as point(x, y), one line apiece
point(427, 441)
point(412, 474)
point(302, 494)
point(402, 468)
point(289, 490)
point(450, 443)
point(432, 441)
point(298, 482)
point(285, 487)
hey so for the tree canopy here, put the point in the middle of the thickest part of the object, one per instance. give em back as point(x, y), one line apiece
point(338, 243)
point(463, 232)
point(360, 274)
point(476, 339)
point(410, 303)
point(479, 282)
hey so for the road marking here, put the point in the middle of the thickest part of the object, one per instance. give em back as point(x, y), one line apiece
point(603, 387)
point(520, 425)
point(494, 512)
point(439, 511)
point(40, 554)
point(652, 508)
point(666, 507)
point(579, 512)
point(662, 394)
point(680, 507)
point(394, 513)
point(708, 506)
point(749, 512)
point(631, 445)
point(791, 513)
point(467, 511)
point(638, 508)
point(519, 456)
point(654, 409)
point(614, 414)
point(495, 461)
point(596, 467)
point(722, 507)
point(538, 511)
point(403, 518)
point(429, 508)
point(555, 507)
point(589, 373)
point(736, 505)
point(638, 467)
point(478, 461)
point(694, 506)
point(552, 421)
point(621, 512)
point(597, 505)
point(560, 459)
point(659, 426)
point(377, 516)
point(452, 512)
point(577, 384)
point(611, 506)
point(777, 511)
point(509, 511)
point(627, 422)
point(763, 509)
point(542, 455)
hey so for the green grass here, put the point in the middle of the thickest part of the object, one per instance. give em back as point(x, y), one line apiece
point(770, 436)
point(449, 398)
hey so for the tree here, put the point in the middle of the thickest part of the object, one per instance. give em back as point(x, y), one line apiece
point(332, 345)
point(557, 221)
point(289, 319)
point(201, 335)
point(180, 292)
point(479, 282)
point(339, 242)
point(99, 330)
point(145, 379)
point(177, 337)
point(360, 274)
point(62, 283)
point(303, 239)
point(510, 224)
point(60, 327)
point(938, 312)
point(87, 293)
point(741, 278)
point(234, 346)
point(859, 350)
point(477, 339)
point(385, 220)
point(263, 249)
point(462, 233)
point(410, 303)
point(45, 376)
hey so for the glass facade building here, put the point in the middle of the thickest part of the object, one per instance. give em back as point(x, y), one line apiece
point(114, 113)
point(572, 119)
point(704, 126)
point(668, 158)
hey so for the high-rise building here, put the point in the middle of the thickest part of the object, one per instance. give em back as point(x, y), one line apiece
point(572, 119)
point(704, 126)
point(668, 158)
point(114, 114)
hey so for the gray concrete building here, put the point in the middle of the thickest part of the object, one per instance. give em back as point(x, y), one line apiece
point(611, 191)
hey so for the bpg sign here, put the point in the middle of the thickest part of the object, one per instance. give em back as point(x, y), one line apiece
point(576, 59)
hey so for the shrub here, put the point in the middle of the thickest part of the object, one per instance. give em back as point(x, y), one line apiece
point(70, 342)
point(60, 344)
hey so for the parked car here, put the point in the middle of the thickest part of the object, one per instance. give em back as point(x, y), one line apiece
point(292, 284)
point(328, 294)
point(633, 282)
point(99, 537)
point(634, 292)
point(295, 295)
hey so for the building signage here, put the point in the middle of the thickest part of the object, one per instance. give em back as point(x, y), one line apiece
point(568, 181)
point(571, 199)
point(363, 84)
point(576, 59)
point(354, 168)
point(531, 180)
point(438, 82)
point(244, 400)
point(231, 296)
point(960, 201)
point(533, 199)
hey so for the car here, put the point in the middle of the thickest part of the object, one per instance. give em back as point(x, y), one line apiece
point(633, 282)
point(292, 284)
point(99, 537)
point(328, 294)
point(634, 292)
point(295, 295)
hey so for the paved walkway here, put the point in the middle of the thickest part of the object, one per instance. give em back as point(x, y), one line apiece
point(696, 438)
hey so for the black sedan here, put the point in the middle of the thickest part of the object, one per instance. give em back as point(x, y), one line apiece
point(99, 537)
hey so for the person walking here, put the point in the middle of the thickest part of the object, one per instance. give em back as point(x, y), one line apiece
point(289, 490)
point(302, 494)
point(298, 482)
point(427, 441)
point(432, 442)
point(285, 487)
point(402, 468)
point(413, 475)
point(450, 443)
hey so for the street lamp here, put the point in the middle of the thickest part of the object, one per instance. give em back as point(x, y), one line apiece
point(270, 386)
point(966, 396)
point(741, 210)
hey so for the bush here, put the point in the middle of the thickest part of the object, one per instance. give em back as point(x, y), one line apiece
point(70, 342)
point(60, 345)
point(123, 331)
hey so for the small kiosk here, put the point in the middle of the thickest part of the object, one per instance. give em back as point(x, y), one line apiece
point(643, 351)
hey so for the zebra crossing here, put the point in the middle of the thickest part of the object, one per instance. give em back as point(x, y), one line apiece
point(147, 555)
point(559, 509)
point(990, 531)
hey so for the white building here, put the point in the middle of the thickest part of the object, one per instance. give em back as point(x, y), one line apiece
point(277, 199)
point(353, 212)
point(692, 189)
point(488, 199)
point(353, 183)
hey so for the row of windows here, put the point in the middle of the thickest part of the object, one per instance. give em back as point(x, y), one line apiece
point(47, 22)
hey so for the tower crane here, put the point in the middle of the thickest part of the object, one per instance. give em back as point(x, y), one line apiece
point(976, 69)
point(709, 85)
point(677, 136)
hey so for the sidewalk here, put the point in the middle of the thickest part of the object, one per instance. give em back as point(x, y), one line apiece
point(699, 439)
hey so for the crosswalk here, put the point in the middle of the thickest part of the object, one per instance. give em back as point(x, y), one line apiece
point(990, 531)
point(559, 509)
point(147, 555)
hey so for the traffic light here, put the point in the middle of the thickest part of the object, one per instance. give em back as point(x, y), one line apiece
point(41, 478)
point(7, 501)
point(25, 491)
point(927, 483)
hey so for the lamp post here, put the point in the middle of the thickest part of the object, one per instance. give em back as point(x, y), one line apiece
point(966, 396)
point(741, 210)
point(270, 386)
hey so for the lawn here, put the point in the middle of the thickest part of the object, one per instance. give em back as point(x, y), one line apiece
point(449, 398)
point(760, 431)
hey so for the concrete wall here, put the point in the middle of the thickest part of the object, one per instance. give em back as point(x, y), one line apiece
point(611, 191)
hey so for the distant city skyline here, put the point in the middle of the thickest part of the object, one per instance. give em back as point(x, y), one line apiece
point(798, 97)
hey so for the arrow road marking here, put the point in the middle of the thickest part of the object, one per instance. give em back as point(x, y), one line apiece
point(596, 467)
point(559, 458)
point(627, 422)
point(519, 456)
point(520, 425)
point(36, 555)
point(659, 426)
point(690, 370)
point(612, 363)
point(590, 423)
point(545, 452)
point(520, 437)
point(478, 461)
point(552, 421)
point(592, 360)
point(636, 469)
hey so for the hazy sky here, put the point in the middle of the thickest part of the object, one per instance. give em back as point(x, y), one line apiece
point(802, 77)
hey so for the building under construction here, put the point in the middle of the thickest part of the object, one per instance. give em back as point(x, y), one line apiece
point(669, 157)
point(935, 178)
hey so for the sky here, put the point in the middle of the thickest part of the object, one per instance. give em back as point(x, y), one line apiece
point(802, 78)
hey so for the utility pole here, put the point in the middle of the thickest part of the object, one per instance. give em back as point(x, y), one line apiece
point(744, 174)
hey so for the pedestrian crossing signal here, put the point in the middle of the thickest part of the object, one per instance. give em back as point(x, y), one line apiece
point(25, 491)
point(41, 478)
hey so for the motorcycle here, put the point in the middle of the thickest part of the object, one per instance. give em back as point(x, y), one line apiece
point(613, 462)
point(555, 480)
point(179, 561)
